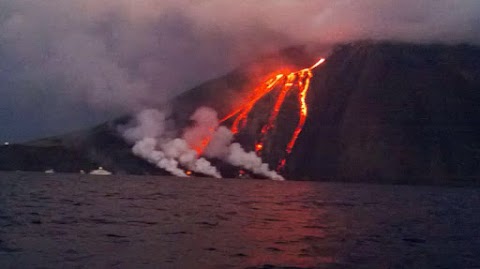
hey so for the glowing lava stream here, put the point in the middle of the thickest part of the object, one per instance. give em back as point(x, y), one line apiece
point(301, 79)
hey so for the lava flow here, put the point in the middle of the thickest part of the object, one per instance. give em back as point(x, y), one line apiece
point(299, 80)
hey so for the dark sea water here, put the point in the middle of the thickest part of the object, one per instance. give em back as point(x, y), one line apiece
point(82, 221)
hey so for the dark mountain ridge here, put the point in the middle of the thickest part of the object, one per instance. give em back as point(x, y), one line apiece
point(378, 111)
point(394, 112)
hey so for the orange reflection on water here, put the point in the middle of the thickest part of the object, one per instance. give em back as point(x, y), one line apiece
point(286, 229)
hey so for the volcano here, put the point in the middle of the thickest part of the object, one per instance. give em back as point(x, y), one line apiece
point(377, 111)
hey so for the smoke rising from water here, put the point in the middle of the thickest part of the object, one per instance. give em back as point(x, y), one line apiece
point(118, 56)
point(221, 147)
point(151, 142)
point(178, 149)
point(146, 149)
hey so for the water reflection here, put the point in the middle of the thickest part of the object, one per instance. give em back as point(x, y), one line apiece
point(286, 227)
point(138, 222)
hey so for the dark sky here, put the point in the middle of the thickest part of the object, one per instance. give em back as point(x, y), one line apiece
point(66, 65)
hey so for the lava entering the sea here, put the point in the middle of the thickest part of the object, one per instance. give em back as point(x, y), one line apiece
point(299, 80)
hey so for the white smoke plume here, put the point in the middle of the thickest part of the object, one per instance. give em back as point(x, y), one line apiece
point(146, 149)
point(250, 161)
point(178, 149)
point(152, 144)
point(216, 142)
point(194, 140)
point(205, 123)
point(149, 123)
point(148, 127)
point(221, 147)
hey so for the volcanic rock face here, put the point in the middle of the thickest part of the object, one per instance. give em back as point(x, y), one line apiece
point(382, 112)
point(393, 112)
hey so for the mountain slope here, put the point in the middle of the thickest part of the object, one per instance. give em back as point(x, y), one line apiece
point(380, 112)
point(394, 112)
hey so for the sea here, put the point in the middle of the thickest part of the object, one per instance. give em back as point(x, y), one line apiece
point(86, 221)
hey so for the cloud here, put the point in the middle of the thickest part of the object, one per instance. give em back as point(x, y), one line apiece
point(110, 57)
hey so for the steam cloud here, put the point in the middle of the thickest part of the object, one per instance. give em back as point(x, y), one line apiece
point(146, 149)
point(151, 142)
point(122, 56)
point(221, 146)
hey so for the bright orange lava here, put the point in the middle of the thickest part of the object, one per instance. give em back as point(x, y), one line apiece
point(203, 144)
point(299, 80)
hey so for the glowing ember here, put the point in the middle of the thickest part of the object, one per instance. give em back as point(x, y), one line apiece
point(299, 80)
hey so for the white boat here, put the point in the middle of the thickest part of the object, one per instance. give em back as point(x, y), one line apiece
point(100, 172)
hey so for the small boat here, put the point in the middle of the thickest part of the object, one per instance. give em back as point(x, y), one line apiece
point(100, 172)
